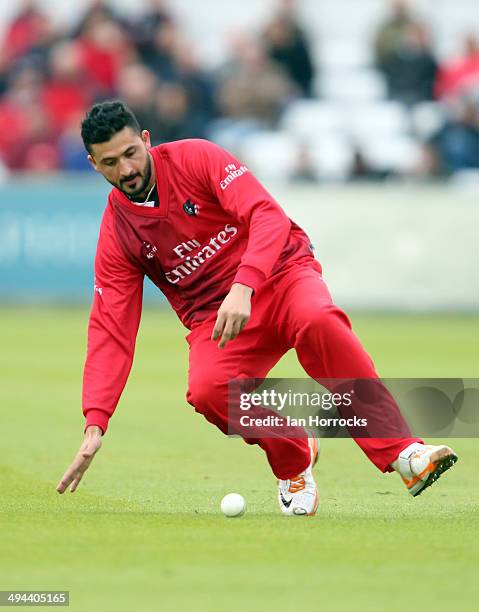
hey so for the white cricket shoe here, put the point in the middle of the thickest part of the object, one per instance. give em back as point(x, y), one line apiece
point(420, 465)
point(299, 496)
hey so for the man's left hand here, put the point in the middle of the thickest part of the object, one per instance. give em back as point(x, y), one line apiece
point(233, 314)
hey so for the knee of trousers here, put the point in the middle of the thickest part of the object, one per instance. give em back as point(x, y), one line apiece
point(208, 397)
point(323, 321)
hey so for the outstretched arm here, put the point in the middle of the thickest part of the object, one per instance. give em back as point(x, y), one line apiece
point(112, 330)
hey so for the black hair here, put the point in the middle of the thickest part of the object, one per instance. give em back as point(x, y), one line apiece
point(106, 119)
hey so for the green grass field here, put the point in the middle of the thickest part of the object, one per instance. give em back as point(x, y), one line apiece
point(144, 531)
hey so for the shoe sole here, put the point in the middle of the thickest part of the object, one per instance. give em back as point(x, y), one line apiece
point(443, 459)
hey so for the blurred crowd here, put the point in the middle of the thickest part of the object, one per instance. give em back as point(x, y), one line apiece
point(49, 77)
point(404, 53)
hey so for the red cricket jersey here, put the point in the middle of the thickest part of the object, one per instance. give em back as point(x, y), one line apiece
point(215, 225)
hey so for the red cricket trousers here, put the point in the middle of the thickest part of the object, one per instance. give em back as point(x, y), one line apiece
point(292, 309)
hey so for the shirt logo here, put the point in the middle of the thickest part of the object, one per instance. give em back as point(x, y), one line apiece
point(193, 254)
point(148, 250)
point(232, 172)
point(190, 208)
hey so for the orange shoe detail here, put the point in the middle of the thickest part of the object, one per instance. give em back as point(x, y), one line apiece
point(410, 483)
point(297, 484)
point(427, 470)
point(313, 445)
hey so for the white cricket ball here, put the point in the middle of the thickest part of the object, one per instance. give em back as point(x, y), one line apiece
point(233, 504)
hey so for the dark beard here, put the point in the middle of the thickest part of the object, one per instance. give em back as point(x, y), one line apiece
point(142, 192)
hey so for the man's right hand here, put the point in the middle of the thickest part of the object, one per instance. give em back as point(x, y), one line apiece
point(91, 444)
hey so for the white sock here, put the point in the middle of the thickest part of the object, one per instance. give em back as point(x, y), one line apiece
point(401, 465)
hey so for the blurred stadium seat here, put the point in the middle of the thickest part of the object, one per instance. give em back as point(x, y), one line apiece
point(427, 119)
point(332, 158)
point(400, 154)
point(381, 119)
point(311, 119)
point(339, 18)
point(344, 53)
point(273, 155)
point(352, 86)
